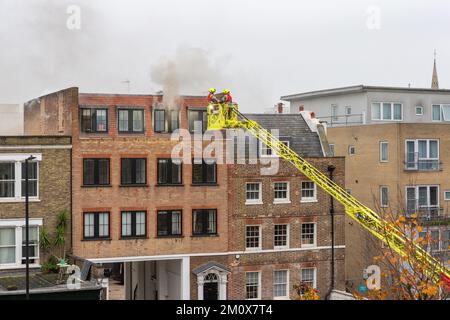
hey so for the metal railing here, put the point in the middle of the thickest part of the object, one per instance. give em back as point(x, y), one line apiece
point(429, 214)
point(414, 163)
point(343, 120)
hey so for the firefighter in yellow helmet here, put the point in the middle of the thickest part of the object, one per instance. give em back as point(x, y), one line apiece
point(212, 96)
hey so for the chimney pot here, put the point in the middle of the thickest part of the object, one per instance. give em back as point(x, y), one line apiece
point(313, 115)
point(280, 107)
point(301, 108)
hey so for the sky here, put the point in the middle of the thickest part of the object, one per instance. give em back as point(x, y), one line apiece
point(259, 49)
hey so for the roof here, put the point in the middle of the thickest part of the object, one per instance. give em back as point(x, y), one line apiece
point(359, 89)
point(293, 128)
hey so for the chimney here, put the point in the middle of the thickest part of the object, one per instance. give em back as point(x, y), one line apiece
point(301, 108)
point(280, 107)
point(313, 115)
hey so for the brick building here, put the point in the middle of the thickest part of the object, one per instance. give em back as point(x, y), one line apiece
point(49, 190)
point(166, 221)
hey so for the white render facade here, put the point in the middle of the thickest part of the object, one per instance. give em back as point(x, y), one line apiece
point(361, 104)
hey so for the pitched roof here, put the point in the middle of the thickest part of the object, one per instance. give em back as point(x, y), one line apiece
point(210, 265)
point(292, 127)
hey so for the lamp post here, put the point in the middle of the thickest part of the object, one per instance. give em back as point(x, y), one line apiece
point(27, 231)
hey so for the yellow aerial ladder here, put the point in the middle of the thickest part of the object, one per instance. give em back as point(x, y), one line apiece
point(227, 116)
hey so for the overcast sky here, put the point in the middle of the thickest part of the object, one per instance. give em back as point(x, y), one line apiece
point(259, 49)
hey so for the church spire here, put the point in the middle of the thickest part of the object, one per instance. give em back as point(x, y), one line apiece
point(434, 80)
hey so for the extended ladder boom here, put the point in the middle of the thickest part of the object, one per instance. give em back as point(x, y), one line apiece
point(230, 117)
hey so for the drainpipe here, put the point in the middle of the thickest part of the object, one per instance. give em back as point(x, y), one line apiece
point(331, 169)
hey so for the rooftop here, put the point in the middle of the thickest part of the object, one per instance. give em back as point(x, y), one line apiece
point(358, 89)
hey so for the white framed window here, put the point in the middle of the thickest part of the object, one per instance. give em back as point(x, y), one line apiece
point(309, 234)
point(253, 285)
point(387, 111)
point(348, 110)
point(422, 154)
point(440, 112)
point(384, 196)
point(309, 277)
point(422, 199)
point(269, 152)
point(439, 239)
point(281, 192)
point(281, 236)
point(281, 284)
point(384, 151)
point(12, 177)
point(447, 195)
point(253, 193)
point(351, 150)
point(253, 238)
point(12, 243)
point(332, 149)
point(419, 111)
point(308, 192)
point(334, 112)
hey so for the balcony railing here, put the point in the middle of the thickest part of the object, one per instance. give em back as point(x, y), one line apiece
point(414, 163)
point(429, 214)
point(343, 120)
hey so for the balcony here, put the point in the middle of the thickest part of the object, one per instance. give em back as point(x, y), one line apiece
point(430, 215)
point(344, 120)
point(415, 163)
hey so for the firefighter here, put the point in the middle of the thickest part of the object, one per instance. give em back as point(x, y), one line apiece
point(226, 98)
point(212, 96)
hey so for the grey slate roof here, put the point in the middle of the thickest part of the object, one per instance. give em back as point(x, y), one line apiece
point(292, 127)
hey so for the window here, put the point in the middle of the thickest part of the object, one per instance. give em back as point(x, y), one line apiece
point(253, 237)
point(281, 190)
point(131, 120)
point(252, 285)
point(348, 110)
point(198, 119)
point(253, 193)
point(281, 236)
point(94, 120)
point(422, 155)
point(166, 120)
point(308, 277)
point(169, 223)
point(269, 152)
point(204, 171)
point(96, 172)
point(447, 195)
point(96, 225)
point(351, 150)
point(423, 200)
point(441, 112)
point(12, 177)
point(419, 111)
point(169, 171)
point(308, 234)
point(134, 224)
point(133, 171)
point(332, 150)
point(280, 284)
point(387, 111)
point(384, 196)
point(334, 112)
point(384, 151)
point(308, 191)
point(12, 243)
point(204, 222)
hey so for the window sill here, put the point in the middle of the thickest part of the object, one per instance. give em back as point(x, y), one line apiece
point(169, 185)
point(97, 186)
point(253, 249)
point(132, 133)
point(309, 201)
point(18, 200)
point(170, 237)
point(134, 238)
point(205, 235)
point(253, 203)
point(134, 186)
point(282, 202)
point(96, 239)
point(281, 248)
point(281, 298)
point(204, 185)
point(308, 246)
